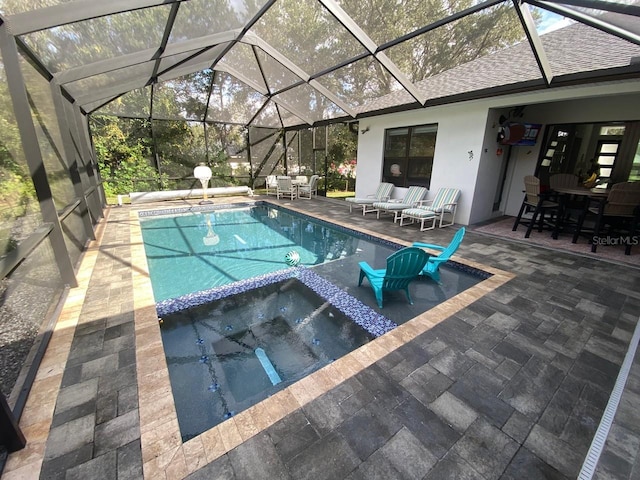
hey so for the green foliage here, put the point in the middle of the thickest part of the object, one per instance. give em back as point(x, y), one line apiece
point(218, 96)
point(132, 175)
point(19, 208)
point(343, 143)
point(17, 203)
point(17, 195)
point(305, 23)
point(341, 176)
point(341, 155)
point(124, 156)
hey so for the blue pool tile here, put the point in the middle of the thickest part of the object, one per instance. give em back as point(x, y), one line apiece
point(363, 315)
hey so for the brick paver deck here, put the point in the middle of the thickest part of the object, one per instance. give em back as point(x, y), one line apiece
point(509, 384)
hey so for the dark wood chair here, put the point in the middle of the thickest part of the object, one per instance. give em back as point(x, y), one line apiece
point(569, 204)
point(537, 202)
point(620, 211)
point(564, 180)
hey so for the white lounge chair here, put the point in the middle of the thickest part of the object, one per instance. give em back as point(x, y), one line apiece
point(383, 193)
point(412, 198)
point(444, 204)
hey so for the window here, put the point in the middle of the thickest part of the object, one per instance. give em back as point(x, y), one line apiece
point(606, 154)
point(634, 174)
point(408, 155)
point(573, 148)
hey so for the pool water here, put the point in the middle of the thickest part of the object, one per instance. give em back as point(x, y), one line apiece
point(202, 250)
point(240, 323)
point(225, 356)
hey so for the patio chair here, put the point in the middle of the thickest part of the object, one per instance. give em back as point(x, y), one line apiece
point(271, 184)
point(537, 201)
point(444, 204)
point(432, 268)
point(568, 203)
point(286, 188)
point(564, 180)
point(413, 198)
point(621, 211)
point(403, 267)
point(382, 194)
point(308, 189)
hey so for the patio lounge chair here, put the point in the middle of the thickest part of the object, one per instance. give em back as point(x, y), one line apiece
point(403, 267)
point(305, 190)
point(432, 268)
point(444, 204)
point(383, 194)
point(412, 199)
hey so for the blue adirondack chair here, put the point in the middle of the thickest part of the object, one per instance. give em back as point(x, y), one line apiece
point(403, 267)
point(432, 268)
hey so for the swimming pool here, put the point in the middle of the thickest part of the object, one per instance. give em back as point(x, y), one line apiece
point(197, 250)
point(239, 323)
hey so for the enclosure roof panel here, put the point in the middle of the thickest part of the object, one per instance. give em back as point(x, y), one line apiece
point(295, 63)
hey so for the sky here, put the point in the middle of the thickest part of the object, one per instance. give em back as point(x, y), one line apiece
point(550, 22)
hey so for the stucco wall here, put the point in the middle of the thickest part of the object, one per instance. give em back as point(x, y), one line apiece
point(472, 127)
point(461, 130)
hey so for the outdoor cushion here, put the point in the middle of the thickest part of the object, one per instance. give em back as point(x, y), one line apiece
point(383, 193)
point(411, 199)
point(444, 203)
point(420, 214)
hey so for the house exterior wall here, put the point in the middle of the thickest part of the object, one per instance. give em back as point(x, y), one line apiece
point(466, 153)
point(461, 129)
point(600, 109)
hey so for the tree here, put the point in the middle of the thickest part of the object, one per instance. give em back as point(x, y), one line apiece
point(123, 154)
point(19, 208)
point(341, 152)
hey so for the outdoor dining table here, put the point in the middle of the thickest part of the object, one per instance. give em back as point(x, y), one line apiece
point(585, 196)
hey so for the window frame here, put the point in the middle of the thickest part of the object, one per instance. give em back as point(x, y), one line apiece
point(414, 170)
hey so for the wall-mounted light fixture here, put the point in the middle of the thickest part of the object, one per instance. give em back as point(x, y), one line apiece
point(365, 130)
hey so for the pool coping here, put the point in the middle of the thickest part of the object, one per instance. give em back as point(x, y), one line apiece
point(164, 453)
